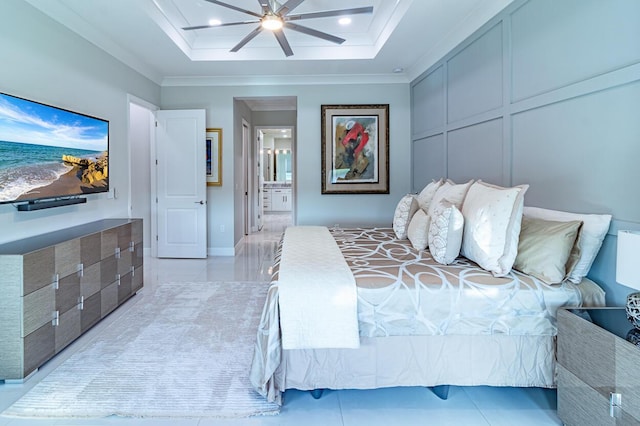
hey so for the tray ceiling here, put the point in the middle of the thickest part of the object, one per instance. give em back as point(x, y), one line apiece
point(398, 40)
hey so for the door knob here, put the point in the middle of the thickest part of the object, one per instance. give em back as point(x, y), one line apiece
point(199, 202)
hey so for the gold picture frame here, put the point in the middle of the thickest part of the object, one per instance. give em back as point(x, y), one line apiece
point(355, 149)
point(214, 156)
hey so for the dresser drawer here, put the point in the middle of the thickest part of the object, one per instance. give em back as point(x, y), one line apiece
point(67, 257)
point(38, 308)
point(39, 346)
point(90, 249)
point(38, 269)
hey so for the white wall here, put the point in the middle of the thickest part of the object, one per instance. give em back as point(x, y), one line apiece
point(311, 206)
point(43, 61)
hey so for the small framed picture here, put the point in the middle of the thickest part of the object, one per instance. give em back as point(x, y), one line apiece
point(214, 157)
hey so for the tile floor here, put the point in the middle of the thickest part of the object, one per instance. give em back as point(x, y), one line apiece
point(396, 406)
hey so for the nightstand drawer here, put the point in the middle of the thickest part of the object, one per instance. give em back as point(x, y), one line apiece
point(587, 351)
point(594, 361)
point(579, 403)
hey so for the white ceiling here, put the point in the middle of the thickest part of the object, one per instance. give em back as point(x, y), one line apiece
point(405, 36)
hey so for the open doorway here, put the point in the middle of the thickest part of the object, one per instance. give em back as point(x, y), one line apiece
point(268, 162)
point(276, 175)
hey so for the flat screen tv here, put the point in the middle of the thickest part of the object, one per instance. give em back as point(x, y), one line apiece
point(50, 154)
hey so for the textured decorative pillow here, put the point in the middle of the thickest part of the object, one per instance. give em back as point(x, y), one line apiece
point(594, 229)
point(418, 230)
point(492, 216)
point(452, 192)
point(445, 232)
point(405, 210)
point(426, 195)
point(545, 247)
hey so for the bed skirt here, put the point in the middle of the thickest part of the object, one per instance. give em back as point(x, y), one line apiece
point(493, 360)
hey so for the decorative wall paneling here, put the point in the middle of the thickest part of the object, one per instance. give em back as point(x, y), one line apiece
point(546, 93)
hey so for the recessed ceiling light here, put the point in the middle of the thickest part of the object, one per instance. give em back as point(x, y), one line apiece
point(344, 21)
point(214, 22)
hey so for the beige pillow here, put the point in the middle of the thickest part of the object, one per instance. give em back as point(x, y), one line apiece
point(454, 193)
point(445, 233)
point(405, 210)
point(426, 195)
point(418, 231)
point(590, 238)
point(545, 248)
point(492, 216)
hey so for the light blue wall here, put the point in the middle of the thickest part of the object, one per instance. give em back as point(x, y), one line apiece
point(546, 93)
point(43, 61)
point(312, 207)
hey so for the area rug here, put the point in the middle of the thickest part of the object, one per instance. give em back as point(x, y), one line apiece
point(182, 350)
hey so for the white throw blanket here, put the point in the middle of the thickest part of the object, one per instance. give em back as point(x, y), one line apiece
point(317, 292)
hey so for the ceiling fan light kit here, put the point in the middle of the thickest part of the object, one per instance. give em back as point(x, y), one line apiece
point(275, 17)
point(272, 22)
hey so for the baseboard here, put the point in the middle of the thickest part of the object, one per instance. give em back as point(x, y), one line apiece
point(221, 251)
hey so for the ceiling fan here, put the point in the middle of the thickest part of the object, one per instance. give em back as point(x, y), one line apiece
point(275, 17)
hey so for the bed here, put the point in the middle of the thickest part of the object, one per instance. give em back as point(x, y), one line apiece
point(419, 322)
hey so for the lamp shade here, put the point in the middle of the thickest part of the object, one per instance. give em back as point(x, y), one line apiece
point(628, 259)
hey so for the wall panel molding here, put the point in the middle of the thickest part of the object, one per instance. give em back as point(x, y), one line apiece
point(568, 111)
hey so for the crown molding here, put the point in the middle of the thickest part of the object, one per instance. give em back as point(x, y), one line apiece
point(285, 80)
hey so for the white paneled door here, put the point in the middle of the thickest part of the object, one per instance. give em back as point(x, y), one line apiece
point(181, 186)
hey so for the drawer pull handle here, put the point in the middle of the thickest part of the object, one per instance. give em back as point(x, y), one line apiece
point(615, 404)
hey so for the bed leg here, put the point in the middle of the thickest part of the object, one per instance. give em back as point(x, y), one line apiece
point(316, 393)
point(441, 391)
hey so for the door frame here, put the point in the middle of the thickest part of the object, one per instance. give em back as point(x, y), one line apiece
point(148, 146)
point(254, 196)
point(247, 162)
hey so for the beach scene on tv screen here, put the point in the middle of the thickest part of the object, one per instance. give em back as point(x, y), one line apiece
point(47, 152)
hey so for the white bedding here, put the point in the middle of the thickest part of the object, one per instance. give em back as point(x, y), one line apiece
point(318, 300)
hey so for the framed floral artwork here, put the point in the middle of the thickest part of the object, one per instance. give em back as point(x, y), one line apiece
point(355, 149)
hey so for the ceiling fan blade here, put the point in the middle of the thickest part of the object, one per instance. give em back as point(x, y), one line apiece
point(228, 24)
point(328, 13)
point(288, 7)
point(230, 6)
point(315, 33)
point(284, 43)
point(265, 6)
point(247, 39)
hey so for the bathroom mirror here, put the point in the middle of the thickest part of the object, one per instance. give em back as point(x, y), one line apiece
point(276, 157)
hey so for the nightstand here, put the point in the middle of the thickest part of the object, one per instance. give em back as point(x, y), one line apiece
point(598, 370)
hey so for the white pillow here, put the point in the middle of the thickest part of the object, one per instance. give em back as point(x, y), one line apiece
point(418, 231)
point(492, 218)
point(594, 229)
point(405, 210)
point(445, 233)
point(452, 192)
point(426, 195)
